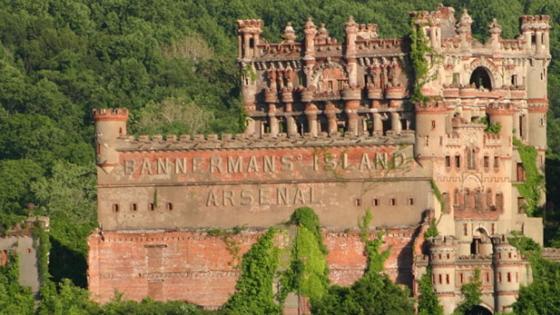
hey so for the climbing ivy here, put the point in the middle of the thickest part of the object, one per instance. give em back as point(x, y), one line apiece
point(532, 187)
point(43, 246)
point(428, 303)
point(232, 245)
point(432, 230)
point(254, 289)
point(419, 49)
point(307, 274)
point(490, 127)
point(374, 293)
point(14, 298)
point(437, 194)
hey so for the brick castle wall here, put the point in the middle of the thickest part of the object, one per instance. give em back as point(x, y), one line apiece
point(199, 268)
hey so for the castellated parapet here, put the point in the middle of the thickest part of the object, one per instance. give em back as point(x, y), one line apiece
point(331, 125)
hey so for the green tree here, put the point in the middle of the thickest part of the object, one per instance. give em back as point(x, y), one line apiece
point(428, 302)
point(471, 295)
point(14, 298)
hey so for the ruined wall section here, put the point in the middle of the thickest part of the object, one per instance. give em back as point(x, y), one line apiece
point(320, 85)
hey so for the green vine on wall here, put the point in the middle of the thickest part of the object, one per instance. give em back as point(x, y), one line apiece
point(307, 274)
point(419, 49)
point(232, 245)
point(254, 289)
point(533, 185)
point(428, 302)
point(249, 72)
point(42, 245)
point(490, 127)
point(437, 194)
point(432, 230)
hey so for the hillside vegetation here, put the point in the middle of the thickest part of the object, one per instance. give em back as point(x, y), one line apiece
point(162, 59)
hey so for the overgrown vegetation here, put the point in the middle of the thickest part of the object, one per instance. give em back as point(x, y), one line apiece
point(490, 127)
point(374, 293)
point(533, 185)
point(419, 51)
point(542, 296)
point(253, 291)
point(428, 302)
point(307, 274)
point(472, 293)
point(432, 230)
point(14, 299)
point(438, 195)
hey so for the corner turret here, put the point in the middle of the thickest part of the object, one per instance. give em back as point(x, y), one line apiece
point(110, 124)
point(510, 272)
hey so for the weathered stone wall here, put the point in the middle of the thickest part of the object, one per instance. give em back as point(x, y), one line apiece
point(199, 268)
point(259, 187)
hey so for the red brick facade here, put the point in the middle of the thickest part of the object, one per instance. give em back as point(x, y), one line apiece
point(199, 268)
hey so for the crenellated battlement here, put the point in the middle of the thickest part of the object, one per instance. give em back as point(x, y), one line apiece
point(250, 25)
point(110, 114)
point(244, 141)
point(535, 22)
point(500, 108)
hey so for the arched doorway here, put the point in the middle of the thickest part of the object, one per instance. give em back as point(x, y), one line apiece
point(478, 310)
point(481, 78)
point(480, 240)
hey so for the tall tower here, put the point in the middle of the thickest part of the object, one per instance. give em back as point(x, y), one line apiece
point(431, 126)
point(110, 124)
point(442, 259)
point(509, 272)
point(535, 30)
point(248, 37)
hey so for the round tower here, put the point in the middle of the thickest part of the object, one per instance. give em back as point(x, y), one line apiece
point(110, 124)
point(502, 113)
point(248, 37)
point(442, 259)
point(537, 109)
point(431, 128)
point(508, 273)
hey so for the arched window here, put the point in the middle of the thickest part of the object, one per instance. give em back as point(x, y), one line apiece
point(481, 78)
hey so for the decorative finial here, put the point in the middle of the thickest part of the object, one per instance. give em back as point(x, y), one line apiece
point(494, 27)
point(323, 33)
point(309, 23)
point(289, 33)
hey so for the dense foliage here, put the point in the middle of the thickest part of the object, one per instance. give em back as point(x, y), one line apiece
point(532, 186)
point(428, 303)
point(542, 296)
point(253, 292)
point(14, 299)
point(472, 294)
point(374, 292)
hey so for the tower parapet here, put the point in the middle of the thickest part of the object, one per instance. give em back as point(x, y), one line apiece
point(535, 30)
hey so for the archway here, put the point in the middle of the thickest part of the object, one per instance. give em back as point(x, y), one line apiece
point(478, 310)
point(481, 78)
point(480, 236)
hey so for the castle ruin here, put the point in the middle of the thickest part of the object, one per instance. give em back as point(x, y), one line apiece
point(334, 126)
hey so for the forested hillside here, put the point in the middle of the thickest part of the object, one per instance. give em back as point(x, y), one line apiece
point(172, 63)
